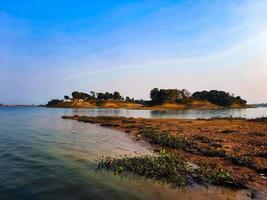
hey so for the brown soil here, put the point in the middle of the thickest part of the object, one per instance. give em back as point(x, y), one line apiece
point(238, 145)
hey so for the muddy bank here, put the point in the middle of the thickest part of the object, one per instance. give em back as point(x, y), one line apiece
point(237, 146)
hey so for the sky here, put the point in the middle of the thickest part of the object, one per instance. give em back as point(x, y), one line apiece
point(50, 48)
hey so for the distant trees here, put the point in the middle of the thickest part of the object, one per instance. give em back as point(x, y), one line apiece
point(216, 97)
point(53, 102)
point(220, 98)
point(169, 95)
point(98, 96)
point(76, 95)
point(117, 96)
point(109, 96)
point(160, 96)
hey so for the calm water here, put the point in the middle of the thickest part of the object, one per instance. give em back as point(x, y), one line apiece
point(182, 114)
point(45, 157)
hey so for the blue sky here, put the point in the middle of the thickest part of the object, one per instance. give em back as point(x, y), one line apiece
point(50, 48)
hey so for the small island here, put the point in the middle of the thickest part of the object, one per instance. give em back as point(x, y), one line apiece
point(160, 99)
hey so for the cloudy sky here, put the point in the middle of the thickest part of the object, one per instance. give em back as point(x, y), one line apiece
point(50, 48)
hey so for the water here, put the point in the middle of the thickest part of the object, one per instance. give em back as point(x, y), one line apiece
point(180, 114)
point(45, 157)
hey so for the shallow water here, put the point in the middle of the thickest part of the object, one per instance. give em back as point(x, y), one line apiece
point(45, 157)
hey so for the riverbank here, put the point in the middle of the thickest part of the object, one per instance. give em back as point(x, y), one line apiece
point(135, 106)
point(236, 146)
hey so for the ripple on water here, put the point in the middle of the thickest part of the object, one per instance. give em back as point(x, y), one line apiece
point(45, 157)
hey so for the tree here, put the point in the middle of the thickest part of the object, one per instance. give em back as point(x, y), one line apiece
point(220, 98)
point(84, 96)
point(127, 99)
point(100, 96)
point(76, 95)
point(53, 102)
point(66, 97)
point(93, 94)
point(117, 96)
point(155, 95)
point(169, 95)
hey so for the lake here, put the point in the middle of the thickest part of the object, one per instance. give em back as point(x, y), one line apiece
point(45, 157)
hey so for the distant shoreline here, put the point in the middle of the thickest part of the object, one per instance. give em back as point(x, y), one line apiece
point(18, 106)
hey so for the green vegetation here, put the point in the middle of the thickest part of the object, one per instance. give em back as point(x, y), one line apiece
point(164, 139)
point(245, 161)
point(158, 97)
point(220, 98)
point(170, 168)
point(169, 95)
point(54, 102)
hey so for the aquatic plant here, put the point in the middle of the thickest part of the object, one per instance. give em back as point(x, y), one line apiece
point(170, 168)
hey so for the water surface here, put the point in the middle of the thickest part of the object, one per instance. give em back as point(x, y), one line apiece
point(45, 157)
point(179, 114)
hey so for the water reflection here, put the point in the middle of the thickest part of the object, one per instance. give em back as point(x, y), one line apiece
point(182, 114)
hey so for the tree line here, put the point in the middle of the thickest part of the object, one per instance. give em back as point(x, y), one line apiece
point(76, 95)
point(95, 96)
point(221, 98)
point(159, 96)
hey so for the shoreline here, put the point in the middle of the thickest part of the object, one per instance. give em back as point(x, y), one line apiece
point(197, 105)
point(236, 145)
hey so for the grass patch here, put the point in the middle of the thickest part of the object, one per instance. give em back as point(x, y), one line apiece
point(213, 152)
point(170, 168)
point(245, 161)
point(164, 138)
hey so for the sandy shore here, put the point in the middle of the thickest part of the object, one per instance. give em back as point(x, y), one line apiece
point(237, 145)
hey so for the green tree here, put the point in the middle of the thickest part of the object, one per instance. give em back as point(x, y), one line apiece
point(76, 95)
point(117, 96)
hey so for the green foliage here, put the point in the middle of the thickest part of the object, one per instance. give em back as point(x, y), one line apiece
point(243, 161)
point(169, 95)
point(220, 98)
point(170, 168)
point(76, 95)
point(163, 138)
point(53, 102)
point(109, 96)
point(117, 96)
